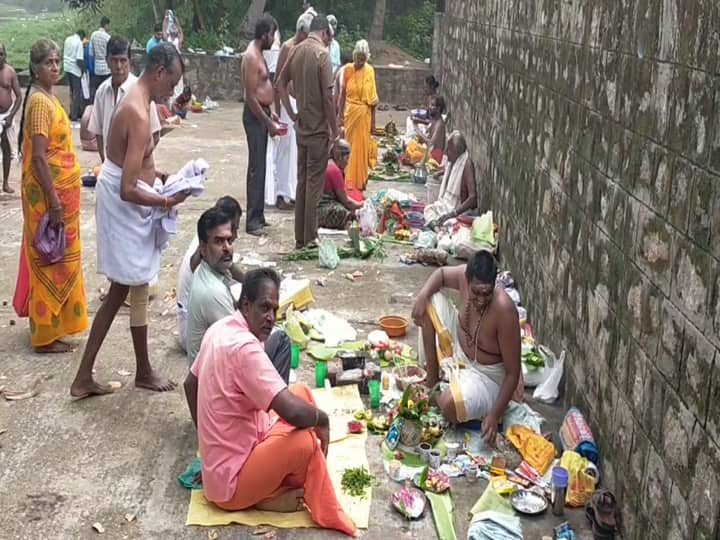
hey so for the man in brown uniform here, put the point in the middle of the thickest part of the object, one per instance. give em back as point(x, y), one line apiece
point(9, 86)
point(258, 120)
point(310, 70)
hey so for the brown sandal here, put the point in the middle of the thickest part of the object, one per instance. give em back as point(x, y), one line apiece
point(604, 515)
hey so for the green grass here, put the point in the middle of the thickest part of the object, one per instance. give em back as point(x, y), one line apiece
point(19, 30)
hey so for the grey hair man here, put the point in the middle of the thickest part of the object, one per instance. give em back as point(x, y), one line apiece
point(457, 190)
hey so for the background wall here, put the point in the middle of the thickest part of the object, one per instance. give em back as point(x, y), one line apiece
point(219, 78)
point(594, 129)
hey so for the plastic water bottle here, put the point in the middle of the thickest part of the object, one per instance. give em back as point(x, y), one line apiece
point(560, 477)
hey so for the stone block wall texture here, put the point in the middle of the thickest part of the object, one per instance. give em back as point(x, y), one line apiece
point(595, 130)
point(219, 78)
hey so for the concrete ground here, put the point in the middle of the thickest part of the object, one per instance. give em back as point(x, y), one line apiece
point(65, 465)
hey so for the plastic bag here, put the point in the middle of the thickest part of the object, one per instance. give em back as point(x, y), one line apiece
point(482, 229)
point(294, 330)
point(368, 218)
point(581, 484)
point(575, 434)
point(49, 241)
point(549, 390)
point(328, 255)
point(85, 85)
point(426, 240)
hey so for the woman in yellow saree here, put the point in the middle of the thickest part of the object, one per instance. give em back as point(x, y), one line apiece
point(358, 99)
point(54, 293)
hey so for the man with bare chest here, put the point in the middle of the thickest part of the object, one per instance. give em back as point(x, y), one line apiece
point(10, 100)
point(483, 340)
point(258, 120)
point(125, 202)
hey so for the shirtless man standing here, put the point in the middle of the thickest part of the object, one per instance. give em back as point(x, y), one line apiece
point(485, 335)
point(125, 199)
point(9, 86)
point(258, 120)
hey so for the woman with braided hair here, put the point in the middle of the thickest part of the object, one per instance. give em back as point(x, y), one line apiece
point(51, 294)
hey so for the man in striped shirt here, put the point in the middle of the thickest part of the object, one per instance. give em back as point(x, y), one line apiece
point(98, 49)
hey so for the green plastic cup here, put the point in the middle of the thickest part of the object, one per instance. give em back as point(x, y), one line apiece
point(374, 389)
point(320, 373)
point(295, 356)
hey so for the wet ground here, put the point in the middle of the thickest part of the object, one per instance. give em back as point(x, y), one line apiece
point(65, 465)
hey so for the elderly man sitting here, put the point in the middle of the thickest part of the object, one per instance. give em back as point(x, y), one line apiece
point(210, 298)
point(483, 335)
point(262, 444)
point(457, 190)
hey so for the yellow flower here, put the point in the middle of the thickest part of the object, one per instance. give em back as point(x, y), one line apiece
point(410, 404)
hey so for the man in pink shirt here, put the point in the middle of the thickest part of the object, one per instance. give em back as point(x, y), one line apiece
point(262, 444)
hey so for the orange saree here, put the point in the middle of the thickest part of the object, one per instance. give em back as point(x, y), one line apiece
point(55, 292)
point(360, 97)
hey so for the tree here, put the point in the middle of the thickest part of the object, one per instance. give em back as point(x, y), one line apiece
point(254, 12)
point(378, 24)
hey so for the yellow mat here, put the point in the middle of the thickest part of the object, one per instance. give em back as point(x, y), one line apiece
point(346, 451)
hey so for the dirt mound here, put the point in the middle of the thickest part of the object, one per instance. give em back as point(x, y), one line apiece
point(384, 53)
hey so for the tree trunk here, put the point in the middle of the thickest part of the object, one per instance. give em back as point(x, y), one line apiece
point(199, 15)
point(156, 12)
point(254, 12)
point(378, 25)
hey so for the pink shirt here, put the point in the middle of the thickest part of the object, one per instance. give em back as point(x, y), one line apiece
point(236, 385)
point(334, 181)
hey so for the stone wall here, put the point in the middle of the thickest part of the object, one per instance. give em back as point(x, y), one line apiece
point(219, 78)
point(594, 127)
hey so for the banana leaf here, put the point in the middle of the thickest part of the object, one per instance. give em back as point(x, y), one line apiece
point(443, 514)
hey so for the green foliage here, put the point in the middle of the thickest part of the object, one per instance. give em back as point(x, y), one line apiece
point(132, 19)
point(19, 30)
point(412, 31)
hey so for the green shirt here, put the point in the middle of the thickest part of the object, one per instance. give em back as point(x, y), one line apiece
point(210, 300)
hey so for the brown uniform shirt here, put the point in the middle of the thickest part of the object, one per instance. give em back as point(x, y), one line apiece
point(310, 70)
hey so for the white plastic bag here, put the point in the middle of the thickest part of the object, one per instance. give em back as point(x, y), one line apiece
point(549, 390)
point(85, 84)
point(368, 218)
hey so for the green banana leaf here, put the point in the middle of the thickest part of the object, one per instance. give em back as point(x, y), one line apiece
point(443, 514)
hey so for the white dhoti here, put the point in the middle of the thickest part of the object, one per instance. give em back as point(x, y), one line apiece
point(271, 172)
point(126, 238)
point(450, 189)
point(286, 157)
point(474, 388)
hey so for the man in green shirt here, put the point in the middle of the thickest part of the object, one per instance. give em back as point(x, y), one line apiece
point(210, 297)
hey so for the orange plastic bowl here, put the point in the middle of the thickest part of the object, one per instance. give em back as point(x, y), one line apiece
point(394, 325)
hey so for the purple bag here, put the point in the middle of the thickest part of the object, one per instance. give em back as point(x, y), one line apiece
point(49, 241)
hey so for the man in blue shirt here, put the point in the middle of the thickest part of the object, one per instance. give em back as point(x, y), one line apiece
point(156, 39)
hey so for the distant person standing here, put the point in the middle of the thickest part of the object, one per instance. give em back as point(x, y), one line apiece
point(307, 8)
point(98, 49)
point(258, 120)
point(10, 99)
point(73, 66)
point(173, 33)
point(310, 72)
point(334, 48)
point(156, 38)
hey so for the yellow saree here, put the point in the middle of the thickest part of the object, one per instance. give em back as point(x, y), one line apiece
point(56, 298)
point(360, 97)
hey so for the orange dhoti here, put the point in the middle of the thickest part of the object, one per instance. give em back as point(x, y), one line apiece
point(291, 458)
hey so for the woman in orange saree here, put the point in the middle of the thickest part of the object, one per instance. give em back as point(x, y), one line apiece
point(55, 293)
point(358, 99)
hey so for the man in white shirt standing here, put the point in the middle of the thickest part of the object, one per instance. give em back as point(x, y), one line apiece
point(73, 66)
point(111, 92)
point(98, 49)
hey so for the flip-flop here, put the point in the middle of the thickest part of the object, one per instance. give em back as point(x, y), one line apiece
point(604, 515)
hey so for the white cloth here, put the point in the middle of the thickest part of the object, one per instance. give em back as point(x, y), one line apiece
point(270, 172)
point(479, 384)
point(104, 106)
point(272, 54)
point(72, 52)
point(449, 195)
point(311, 11)
point(3, 116)
point(98, 48)
point(190, 178)
point(286, 156)
point(126, 249)
point(185, 278)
